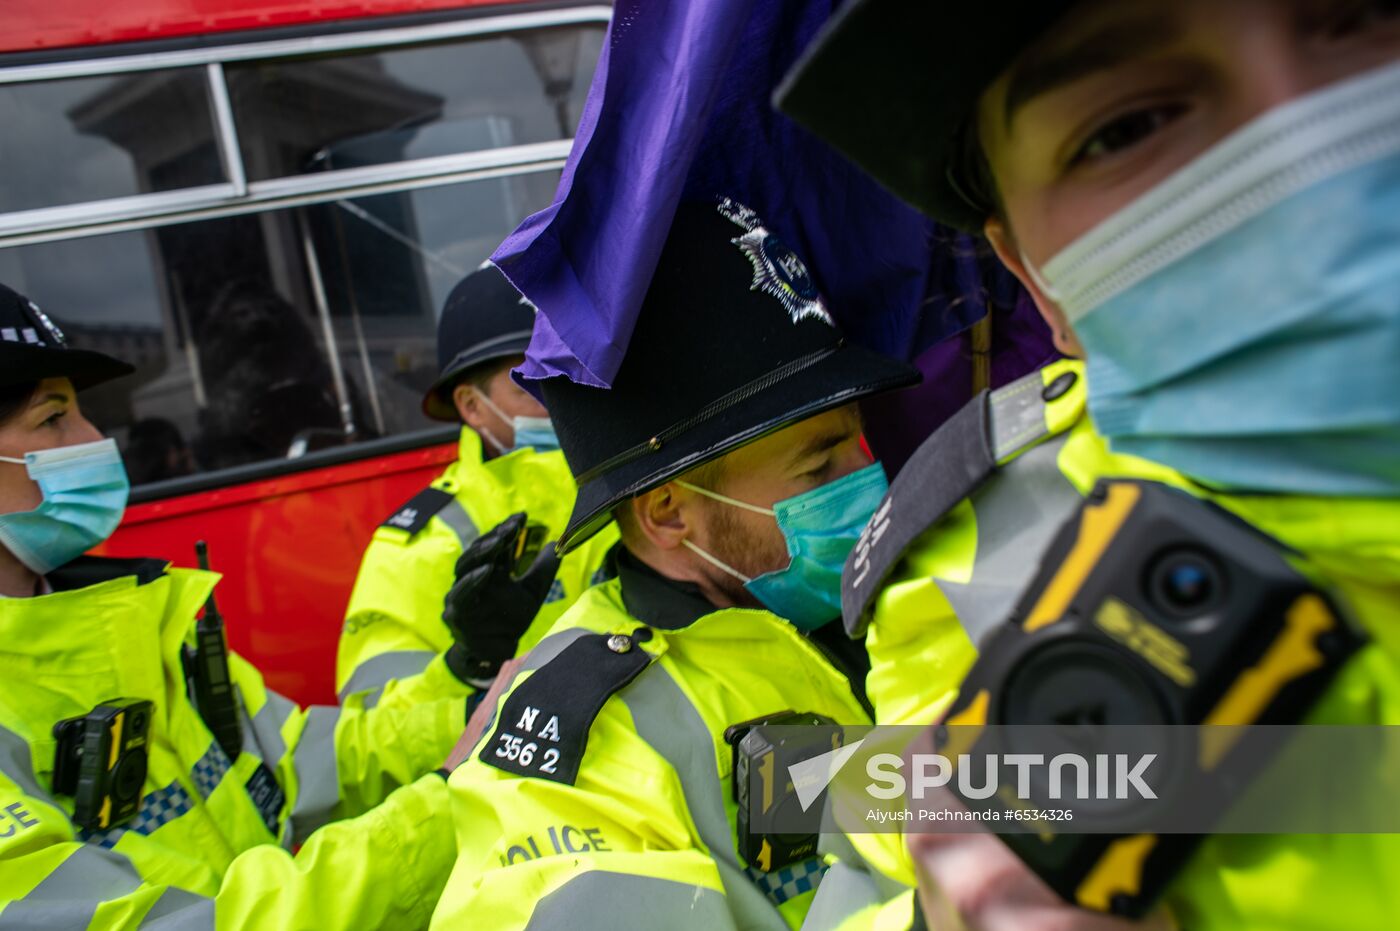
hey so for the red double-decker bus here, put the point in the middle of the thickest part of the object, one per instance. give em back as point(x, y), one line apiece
point(262, 205)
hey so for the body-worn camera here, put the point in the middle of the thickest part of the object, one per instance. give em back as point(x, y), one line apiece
point(764, 792)
point(101, 761)
point(1150, 607)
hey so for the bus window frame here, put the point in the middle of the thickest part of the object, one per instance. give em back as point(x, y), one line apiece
point(237, 194)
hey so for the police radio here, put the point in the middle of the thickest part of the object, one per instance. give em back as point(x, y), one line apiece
point(101, 761)
point(209, 677)
point(761, 762)
point(1150, 607)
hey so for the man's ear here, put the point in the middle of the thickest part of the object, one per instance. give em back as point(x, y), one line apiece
point(664, 515)
point(1005, 246)
point(468, 409)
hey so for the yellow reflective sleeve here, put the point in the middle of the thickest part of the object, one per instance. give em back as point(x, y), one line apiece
point(337, 762)
point(385, 869)
point(395, 608)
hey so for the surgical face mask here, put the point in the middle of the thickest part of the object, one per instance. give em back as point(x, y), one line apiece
point(1241, 321)
point(85, 489)
point(820, 527)
point(535, 432)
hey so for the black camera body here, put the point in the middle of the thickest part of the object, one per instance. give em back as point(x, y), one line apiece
point(761, 761)
point(101, 761)
point(1151, 607)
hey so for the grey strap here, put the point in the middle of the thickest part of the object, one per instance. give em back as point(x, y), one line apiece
point(948, 467)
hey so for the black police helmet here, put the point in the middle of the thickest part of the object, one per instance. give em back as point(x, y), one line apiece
point(484, 318)
point(33, 348)
point(732, 343)
point(893, 86)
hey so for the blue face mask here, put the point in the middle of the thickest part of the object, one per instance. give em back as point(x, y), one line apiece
point(821, 527)
point(85, 489)
point(1241, 321)
point(533, 432)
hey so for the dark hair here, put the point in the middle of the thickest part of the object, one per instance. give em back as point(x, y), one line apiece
point(15, 398)
point(970, 173)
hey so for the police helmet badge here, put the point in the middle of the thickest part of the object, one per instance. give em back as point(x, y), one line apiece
point(54, 332)
point(776, 268)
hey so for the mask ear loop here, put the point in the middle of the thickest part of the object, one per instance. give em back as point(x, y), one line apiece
point(493, 408)
point(716, 561)
point(767, 512)
point(1046, 288)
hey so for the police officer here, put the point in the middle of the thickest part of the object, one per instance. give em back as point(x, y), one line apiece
point(211, 799)
point(1201, 197)
point(397, 628)
point(729, 451)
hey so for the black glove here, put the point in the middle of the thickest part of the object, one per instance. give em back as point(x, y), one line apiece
point(489, 607)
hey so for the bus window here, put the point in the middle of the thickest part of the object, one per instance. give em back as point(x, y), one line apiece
point(266, 336)
point(369, 108)
point(87, 139)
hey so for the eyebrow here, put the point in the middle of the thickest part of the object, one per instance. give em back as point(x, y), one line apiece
point(1107, 48)
point(821, 443)
point(51, 396)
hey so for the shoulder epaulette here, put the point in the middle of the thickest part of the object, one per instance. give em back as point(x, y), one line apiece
point(948, 467)
point(415, 513)
point(542, 728)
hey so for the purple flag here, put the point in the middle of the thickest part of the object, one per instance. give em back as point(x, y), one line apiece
point(679, 107)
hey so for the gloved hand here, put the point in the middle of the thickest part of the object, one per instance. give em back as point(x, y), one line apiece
point(489, 607)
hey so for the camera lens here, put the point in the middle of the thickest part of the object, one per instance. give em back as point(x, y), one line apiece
point(1185, 583)
point(138, 721)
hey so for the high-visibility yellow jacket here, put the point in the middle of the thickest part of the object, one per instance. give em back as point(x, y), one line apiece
point(210, 844)
point(972, 565)
point(393, 625)
point(644, 834)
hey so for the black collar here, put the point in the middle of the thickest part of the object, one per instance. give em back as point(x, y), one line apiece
point(655, 600)
point(665, 603)
point(92, 570)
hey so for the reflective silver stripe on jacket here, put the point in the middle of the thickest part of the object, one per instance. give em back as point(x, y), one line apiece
point(178, 910)
point(318, 778)
point(17, 763)
point(604, 901)
point(68, 897)
point(459, 521)
point(666, 720)
point(374, 673)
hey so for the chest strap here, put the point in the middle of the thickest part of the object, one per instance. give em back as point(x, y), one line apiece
point(946, 469)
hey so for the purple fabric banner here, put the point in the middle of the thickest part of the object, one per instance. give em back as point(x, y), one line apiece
point(679, 108)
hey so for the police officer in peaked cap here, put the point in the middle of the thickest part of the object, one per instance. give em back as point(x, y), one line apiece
point(439, 602)
point(728, 451)
point(192, 816)
point(1203, 199)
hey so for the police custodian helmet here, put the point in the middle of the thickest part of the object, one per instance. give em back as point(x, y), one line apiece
point(33, 348)
point(484, 319)
point(732, 343)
